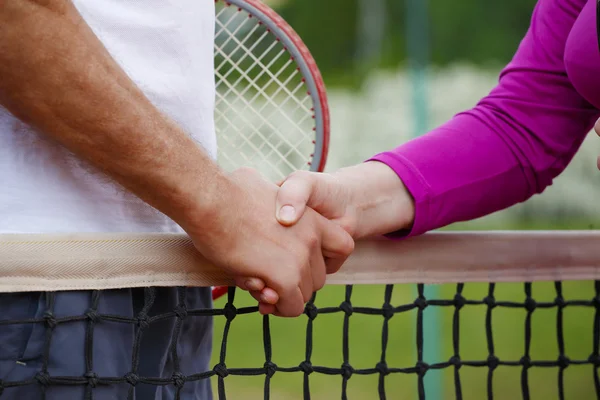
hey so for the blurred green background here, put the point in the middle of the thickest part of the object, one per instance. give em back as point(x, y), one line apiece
point(343, 35)
point(362, 49)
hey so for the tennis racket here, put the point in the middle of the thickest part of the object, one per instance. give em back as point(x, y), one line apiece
point(271, 110)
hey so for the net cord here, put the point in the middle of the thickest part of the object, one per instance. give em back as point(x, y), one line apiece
point(40, 262)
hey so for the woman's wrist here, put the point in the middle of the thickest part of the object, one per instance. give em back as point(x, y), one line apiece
point(379, 198)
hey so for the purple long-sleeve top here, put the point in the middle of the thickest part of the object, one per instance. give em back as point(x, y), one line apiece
point(518, 138)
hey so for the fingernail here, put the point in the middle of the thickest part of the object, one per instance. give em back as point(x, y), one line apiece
point(265, 298)
point(287, 213)
point(253, 284)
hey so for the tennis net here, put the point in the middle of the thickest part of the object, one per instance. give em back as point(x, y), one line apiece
point(517, 315)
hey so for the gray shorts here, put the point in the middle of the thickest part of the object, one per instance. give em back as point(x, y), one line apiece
point(82, 339)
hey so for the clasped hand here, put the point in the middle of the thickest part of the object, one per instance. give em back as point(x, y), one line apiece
point(282, 266)
point(279, 241)
point(297, 199)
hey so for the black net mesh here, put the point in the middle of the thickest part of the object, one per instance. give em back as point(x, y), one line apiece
point(341, 376)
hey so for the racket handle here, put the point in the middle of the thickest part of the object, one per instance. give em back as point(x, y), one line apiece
point(219, 291)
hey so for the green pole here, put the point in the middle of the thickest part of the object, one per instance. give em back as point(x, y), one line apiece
point(418, 47)
point(371, 31)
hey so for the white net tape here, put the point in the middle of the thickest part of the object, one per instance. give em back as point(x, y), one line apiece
point(101, 261)
point(263, 114)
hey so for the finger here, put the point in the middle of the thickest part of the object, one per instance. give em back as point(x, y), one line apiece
point(598, 162)
point(255, 294)
point(266, 309)
point(277, 313)
point(250, 284)
point(333, 265)
point(269, 296)
point(291, 304)
point(318, 272)
point(286, 283)
point(336, 243)
point(263, 308)
point(306, 284)
point(293, 196)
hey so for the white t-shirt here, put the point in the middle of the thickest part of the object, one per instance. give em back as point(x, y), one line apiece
point(166, 47)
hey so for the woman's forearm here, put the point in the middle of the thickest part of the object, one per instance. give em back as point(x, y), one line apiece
point(381, 201)
point(512, 144)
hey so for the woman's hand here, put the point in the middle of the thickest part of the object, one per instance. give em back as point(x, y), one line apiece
point(367, 199)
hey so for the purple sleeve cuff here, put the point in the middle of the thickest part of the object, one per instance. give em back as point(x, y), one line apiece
point(516, 140)
point(418, 188)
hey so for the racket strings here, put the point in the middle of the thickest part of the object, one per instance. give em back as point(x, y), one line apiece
point(263, 114)
point(256, 147)
point(304, 117)
point(257, 60)
point(264, 120)
point(261, 92)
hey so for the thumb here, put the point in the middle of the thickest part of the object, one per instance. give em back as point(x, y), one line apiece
point(293, 196)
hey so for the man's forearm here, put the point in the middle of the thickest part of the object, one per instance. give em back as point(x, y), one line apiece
point(57, 76)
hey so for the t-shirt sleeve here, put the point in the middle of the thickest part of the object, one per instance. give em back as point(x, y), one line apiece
point(512, 144)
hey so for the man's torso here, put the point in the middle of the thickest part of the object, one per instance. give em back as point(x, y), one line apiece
point(166, 47)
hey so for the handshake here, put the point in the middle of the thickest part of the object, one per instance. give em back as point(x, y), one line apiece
point(279, 241)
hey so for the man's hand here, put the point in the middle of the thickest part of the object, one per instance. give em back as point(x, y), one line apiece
point(245, 240)
point(367, 199)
